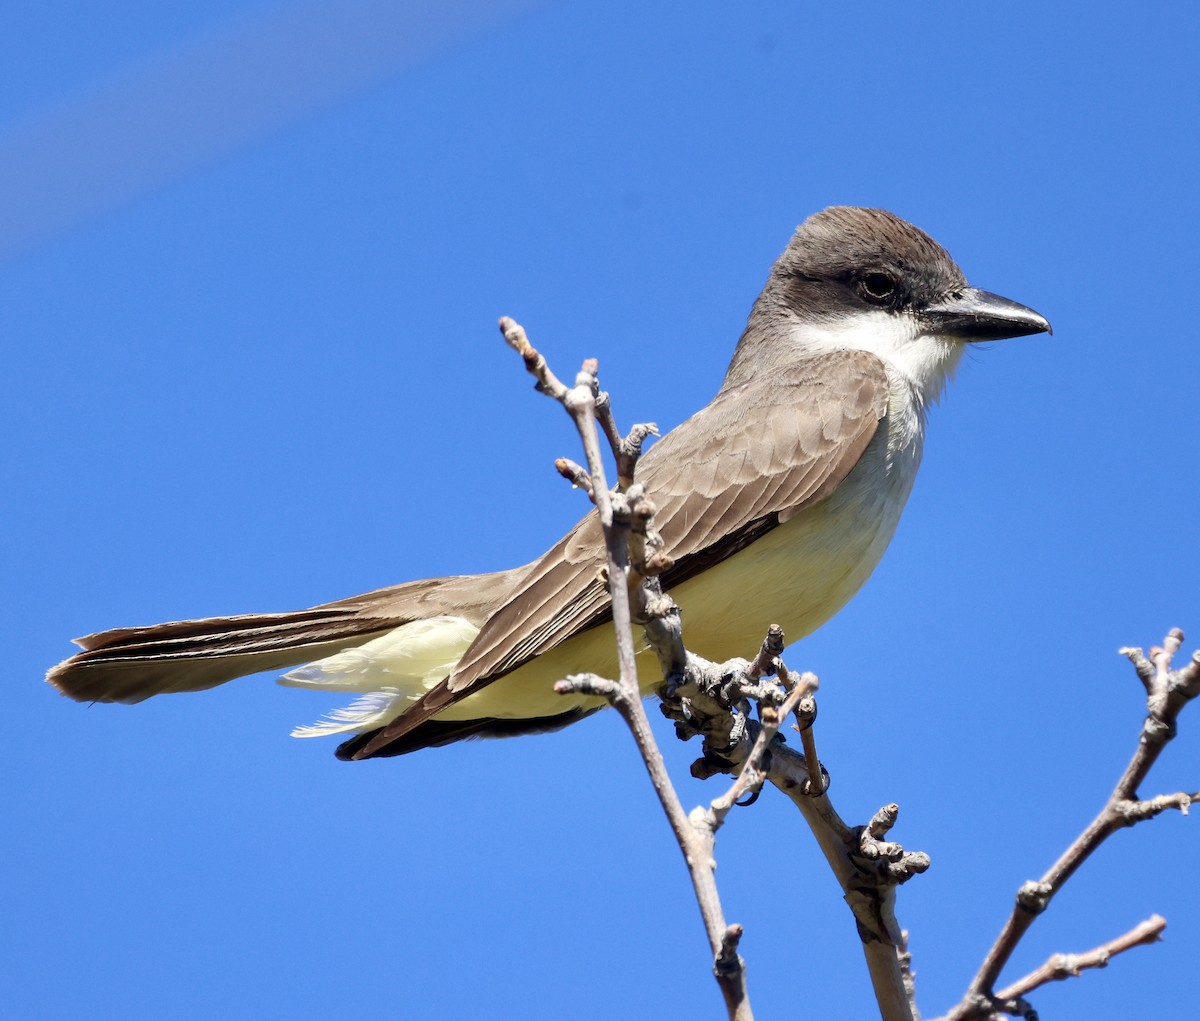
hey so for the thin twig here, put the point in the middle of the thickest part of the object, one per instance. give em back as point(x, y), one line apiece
point(626, 449)
point(1167, 691)
point(765, 663)
point(1062, 966)
point(806, 716)
point(581, 403)
point(712, 699)
point(752, 774)
point(701, 706)
point(535, 364)
point(574, 474)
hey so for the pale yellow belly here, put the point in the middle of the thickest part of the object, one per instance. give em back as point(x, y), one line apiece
point(798, 576)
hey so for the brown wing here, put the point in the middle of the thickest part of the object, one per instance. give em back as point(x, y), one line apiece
point(757, 454)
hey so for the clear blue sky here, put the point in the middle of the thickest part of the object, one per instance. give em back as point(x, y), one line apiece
point(252, 261)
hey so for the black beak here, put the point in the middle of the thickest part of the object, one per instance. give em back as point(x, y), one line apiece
point(975, 315)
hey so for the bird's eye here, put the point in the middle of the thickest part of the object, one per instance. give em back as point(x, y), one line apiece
point(878, 287)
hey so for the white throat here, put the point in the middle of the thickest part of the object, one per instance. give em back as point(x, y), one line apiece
point(924, 361)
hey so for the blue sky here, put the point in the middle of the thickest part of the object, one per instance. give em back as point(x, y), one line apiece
point(252, 261)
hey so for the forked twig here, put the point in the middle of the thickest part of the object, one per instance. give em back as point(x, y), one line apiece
point(580, 402)
point(1167, 692)
point(713, 700)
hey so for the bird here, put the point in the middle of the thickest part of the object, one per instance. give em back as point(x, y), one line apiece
point(776, 502)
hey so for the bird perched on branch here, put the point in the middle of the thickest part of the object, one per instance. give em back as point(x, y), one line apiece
point(776, 502)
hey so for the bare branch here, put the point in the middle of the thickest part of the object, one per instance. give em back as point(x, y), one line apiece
point(574, 474)
point(626, 450)
point(752, 775)
point(869, 885)
point(535, 364)
point(588, 684)
point(907, 975)
point(764, 664)
point(616, 514)
point(706, 703)
point(1167, 692)
point(1132, 812)
point(1143, 666)
point(715, 702)
point(806, 715)
point(1062, 966)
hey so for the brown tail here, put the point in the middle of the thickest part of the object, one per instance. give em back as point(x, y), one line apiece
point(131, 664)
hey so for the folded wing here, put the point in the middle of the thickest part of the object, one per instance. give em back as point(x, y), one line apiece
point(756, 455)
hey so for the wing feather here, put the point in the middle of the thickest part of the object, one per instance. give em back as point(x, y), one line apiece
point(760, 452)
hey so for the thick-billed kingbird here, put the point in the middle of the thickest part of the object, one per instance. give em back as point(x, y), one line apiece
point(776, 501)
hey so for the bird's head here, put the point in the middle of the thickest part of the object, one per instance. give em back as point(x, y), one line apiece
point(864, 279)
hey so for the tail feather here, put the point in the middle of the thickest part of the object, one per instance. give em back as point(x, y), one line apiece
point(132, 664)
point(203, 629)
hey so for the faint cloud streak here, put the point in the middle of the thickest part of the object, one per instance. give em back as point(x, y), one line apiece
point(70, 162)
